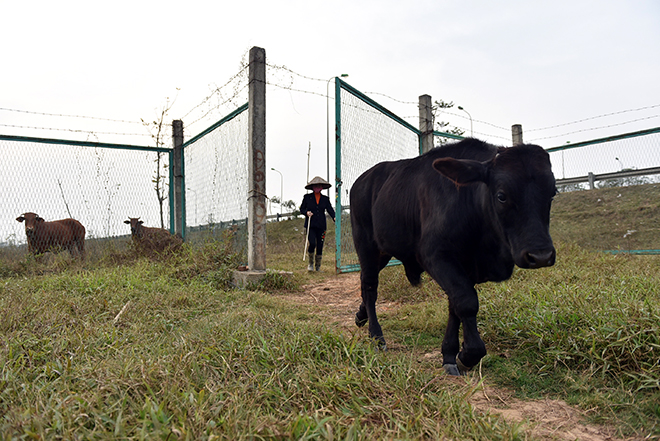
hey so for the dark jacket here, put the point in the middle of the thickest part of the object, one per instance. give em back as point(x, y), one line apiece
point(309, 204)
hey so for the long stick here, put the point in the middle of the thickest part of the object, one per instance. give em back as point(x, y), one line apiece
point(309, 224)
point(63, 198)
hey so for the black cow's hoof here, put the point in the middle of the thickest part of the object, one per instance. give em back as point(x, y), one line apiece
point(360, 322)
point(380, 342)
point(457, 369)
point(452, 369)
point(461, 367)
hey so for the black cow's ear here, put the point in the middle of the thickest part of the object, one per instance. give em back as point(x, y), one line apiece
point(40, 219)
point(127, 222)
point(140, 223)
point(20, 218)
point(461, 171)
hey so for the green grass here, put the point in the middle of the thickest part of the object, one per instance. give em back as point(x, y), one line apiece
point(619, 218)
point(127, 347)
point(163, 350)
point(586, 330)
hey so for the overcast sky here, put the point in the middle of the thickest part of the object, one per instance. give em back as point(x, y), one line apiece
point(536, 63)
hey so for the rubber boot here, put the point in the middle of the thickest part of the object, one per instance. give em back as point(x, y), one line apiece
point(310, 266)
point(317, 262)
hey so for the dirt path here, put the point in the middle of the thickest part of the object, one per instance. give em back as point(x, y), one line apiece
point(548, 419)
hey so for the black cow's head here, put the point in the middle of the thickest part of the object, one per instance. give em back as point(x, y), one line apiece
point(32, 221)
point(135, 224)
point(520, 187)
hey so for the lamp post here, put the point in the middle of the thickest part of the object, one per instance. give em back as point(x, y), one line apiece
point(327, 126)
point(471, 132)
point(620, 163)
point(281, 188)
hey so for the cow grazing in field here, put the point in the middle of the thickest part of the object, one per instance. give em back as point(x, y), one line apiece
point(53, 236)
point(465, 213)
point(148, 239)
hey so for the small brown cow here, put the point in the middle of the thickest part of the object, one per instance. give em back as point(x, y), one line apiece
point(150, 239)
point(53, 236)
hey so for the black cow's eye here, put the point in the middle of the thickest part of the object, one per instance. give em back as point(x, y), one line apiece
point(501, 197)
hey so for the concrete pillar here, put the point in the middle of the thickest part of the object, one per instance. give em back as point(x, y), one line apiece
point(426, 122)
point(179, 179)
point(257, 160)
point(516, 133)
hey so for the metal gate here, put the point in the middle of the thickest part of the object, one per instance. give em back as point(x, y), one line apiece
point(366, 133)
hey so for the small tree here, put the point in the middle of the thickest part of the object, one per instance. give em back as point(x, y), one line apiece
point(159, 134)
point(289, 205)
point(442, 126)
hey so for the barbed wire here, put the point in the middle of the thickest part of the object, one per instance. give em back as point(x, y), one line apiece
point(74, 130)
point(240, 83)
point(309, 92)
point(477, 121)
point(282, 67)
point(595, 117)
point(599, 128)
point(392, 98)
point(218, 106)
point(69, 116)
point(218, 90)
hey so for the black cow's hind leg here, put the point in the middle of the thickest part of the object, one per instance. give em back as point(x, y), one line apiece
point(369, 287)
point(450, 345)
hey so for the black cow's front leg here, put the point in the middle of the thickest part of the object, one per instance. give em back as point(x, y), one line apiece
point(463, 309)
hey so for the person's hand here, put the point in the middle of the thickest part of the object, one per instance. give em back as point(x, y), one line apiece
point(309, 214)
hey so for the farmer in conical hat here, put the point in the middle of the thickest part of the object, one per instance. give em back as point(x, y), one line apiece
point(314, 206)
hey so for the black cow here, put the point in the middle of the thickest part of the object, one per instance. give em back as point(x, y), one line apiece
point(465, 213)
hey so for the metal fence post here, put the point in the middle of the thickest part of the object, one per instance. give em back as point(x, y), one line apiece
point(179, 179)
point(426, 122)
point(338, 183)
point(516, 133)
point(257, 160)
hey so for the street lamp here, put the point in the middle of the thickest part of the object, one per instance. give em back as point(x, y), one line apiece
point(620, 163)
point(471, 132)
point(281, 188)
point(327, 126)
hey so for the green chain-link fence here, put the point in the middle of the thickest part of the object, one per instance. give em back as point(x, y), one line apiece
point(366, 134)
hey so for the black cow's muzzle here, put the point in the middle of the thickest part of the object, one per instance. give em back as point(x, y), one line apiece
point(538, 258)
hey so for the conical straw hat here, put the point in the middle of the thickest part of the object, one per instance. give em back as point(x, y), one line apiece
point(318, 181)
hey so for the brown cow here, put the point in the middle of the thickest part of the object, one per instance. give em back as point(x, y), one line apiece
point(152, 239)
point(53, 236)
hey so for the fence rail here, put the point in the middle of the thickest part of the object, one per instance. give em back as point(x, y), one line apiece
point(592, 178)
point(592, 161)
